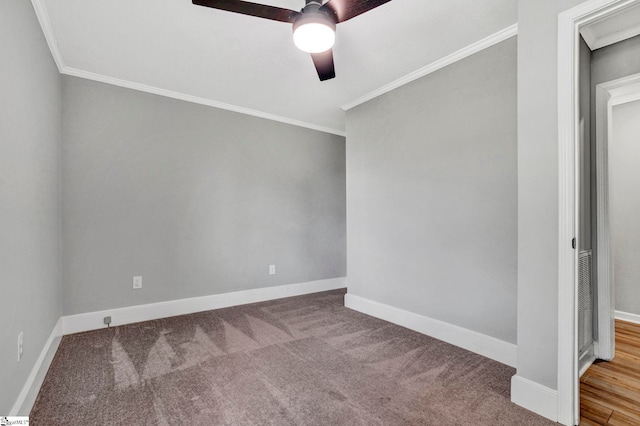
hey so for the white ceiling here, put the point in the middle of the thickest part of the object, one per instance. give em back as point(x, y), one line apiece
point(252, 64)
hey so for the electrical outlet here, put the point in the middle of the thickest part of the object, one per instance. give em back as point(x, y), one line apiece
point(272, 269)
point(20, 337)
point(137, 282)
point(107, 320)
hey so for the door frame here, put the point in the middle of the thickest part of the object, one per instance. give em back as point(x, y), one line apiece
point(608, 95)
point(569, 24)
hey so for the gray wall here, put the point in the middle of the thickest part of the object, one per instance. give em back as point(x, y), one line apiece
point(538, 188)
point(29, 213)
point(431, 184)
point(197, 200)
point(624, 161)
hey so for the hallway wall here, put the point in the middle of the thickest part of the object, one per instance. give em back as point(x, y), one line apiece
point(624, 161)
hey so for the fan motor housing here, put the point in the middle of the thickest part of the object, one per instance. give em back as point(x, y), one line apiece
point(312, 13)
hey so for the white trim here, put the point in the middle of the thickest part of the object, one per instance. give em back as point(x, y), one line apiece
point(567, 402)
point(37, 374)
point(605, 347)
point(49, 34)
point(629, 317)
point(616, 37)
point(476, 47)
point(473, 341)
point(93, 320)
point(534, 397)
point(585, 361)
point(596, 41)
point(196, 100)
point(608, 94)
point(569, 23)
point(589, 37)
point(131, 314)
point(623, 90)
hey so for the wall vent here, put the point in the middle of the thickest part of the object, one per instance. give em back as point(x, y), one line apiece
point(585, 300)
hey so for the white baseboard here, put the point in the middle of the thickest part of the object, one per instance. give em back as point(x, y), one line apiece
point(535, 397)
point(30, 390)
point(131, 314)
point(473, 341)
point(93, 320)
point(626, 316)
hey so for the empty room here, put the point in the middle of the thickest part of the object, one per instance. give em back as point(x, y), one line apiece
point(297, 212)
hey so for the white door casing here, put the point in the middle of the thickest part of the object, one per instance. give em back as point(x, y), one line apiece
point(608, 95)
point(569, 24)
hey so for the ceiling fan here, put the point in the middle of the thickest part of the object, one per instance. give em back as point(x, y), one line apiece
point(313, 27)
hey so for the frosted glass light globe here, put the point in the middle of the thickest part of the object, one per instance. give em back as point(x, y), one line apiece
point(314, 37)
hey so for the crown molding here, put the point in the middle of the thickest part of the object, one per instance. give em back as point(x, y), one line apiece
point(596, 38)
point(49, 34)
point(476, 47)
point(196, 100)
point(47, 28)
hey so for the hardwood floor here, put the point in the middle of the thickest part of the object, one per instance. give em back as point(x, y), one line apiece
point(610, 391)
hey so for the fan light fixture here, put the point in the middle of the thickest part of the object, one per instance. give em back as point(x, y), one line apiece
point(314, 26)
point(314, 31)
point(314, 37)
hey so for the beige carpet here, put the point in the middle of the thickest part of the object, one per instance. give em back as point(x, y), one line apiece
point(299, 361)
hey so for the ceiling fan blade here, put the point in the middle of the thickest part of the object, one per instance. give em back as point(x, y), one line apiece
point(347, 9)
point(324, 64)
point(252, 9)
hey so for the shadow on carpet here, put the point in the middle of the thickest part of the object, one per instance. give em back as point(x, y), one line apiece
point(304, 360)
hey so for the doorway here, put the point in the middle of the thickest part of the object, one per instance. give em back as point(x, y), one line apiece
point(616, 201)
point(571, 23)
point(610, 389)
